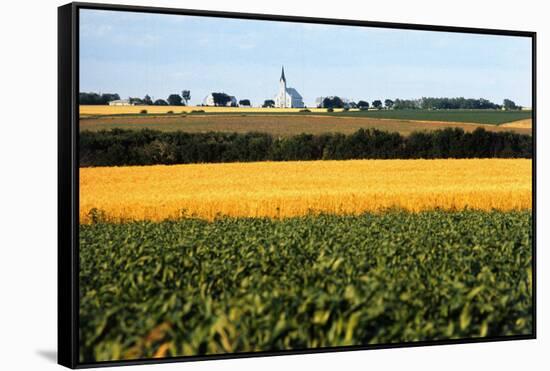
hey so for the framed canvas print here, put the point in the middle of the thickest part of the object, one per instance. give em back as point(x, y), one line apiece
point(235, 185)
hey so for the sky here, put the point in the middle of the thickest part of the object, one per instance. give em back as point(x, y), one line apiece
point(134, 54)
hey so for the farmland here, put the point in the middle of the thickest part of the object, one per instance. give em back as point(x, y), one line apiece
point(101, 110)
point(211, 222)
point(492, 117)
point(197, 259)
point(279, 124)
point(192, 287)
point(527, 123)
point(285, 189)
point(226, 250)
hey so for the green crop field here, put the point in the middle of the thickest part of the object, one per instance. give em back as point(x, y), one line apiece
point(492, 117)
point(191, 287)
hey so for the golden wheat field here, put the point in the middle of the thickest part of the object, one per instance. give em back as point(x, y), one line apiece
point(283, 189)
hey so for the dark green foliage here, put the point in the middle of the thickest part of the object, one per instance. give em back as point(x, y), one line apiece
point(443, 103)
point(407, 104)
point(377, 104)
point(332, 102)
point(237, 285)
point(221, 99)
point(119, 147)
point(457, 103)
point(147, 100)
point(509, 104)
point(268, 103)
point(186, 95)
point(96, 99)
point(175, 100)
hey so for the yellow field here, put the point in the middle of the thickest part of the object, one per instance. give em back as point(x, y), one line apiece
point(281, 189)
point(117, 110)
point(520, 124)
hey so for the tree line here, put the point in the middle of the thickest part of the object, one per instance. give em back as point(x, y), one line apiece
point(222, 99)
point(97, 99)
point(102, 99)
point(430, 103)
point(433, 103)
point(120, 147)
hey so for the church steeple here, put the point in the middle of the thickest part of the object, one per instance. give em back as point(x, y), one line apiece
point(283, 74)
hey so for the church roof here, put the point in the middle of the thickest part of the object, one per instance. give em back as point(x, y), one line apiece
point(293, 93)
point(283, 74)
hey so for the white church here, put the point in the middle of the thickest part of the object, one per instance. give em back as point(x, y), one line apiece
point(287, 97)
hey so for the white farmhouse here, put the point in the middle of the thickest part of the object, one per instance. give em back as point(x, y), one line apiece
point(121, 102)
point(287, 97)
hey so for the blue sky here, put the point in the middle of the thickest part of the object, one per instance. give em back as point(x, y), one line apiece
point(134, 54)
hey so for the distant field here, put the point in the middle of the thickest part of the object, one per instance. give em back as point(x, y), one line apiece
point(280, 124)
point(118, 110)
point(492, 117)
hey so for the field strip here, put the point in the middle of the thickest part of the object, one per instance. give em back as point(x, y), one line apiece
point(284, 125)
point(324, 116)
point(106, 110)
point(284, 189)
point(519, 124)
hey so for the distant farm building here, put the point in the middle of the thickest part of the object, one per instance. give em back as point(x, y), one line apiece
point(287, 97)
point(209, 101)
point(121, 102)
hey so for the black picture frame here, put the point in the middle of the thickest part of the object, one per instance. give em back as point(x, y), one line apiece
point(68, 176)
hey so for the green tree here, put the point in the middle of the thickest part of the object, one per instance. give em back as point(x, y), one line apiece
point(244, 102)
point(174, 100)
point(269, 103)
point(332, 102)
point(108, 97)
point(186, 95)
point(363, 104)
point(221, 99)
point(377, 104)
point(509, 104)
point(97, 99)
point(147, 100)
point(388, 103)
point(160, 102)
